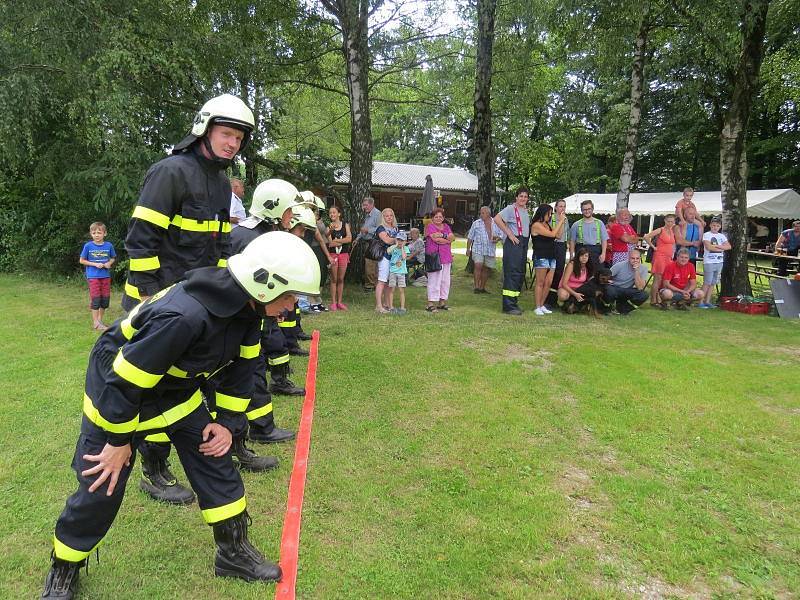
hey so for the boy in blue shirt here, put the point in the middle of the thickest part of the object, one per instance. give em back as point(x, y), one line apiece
point(398, 253)
point(98, 256)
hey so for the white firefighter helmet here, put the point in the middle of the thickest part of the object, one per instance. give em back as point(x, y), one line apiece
point(272, 197)
point(223, 110)
point(276, 263)
point(302, 215)
point(313, 201)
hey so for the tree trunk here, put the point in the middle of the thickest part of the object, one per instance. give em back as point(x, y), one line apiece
point(733, 152)
point(482, 122)
point(632, 138)
point(353, 19)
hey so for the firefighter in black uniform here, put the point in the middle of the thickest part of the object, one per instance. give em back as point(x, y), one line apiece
point(182, 222)
point(145, 375)
point(272, 200)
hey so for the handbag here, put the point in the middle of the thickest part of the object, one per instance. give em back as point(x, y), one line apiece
point(375, 249)
point(432, 262)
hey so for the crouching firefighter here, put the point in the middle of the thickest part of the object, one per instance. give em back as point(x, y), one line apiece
point(274, 201)
point(144, 376)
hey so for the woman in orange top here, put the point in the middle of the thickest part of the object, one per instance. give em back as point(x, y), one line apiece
point(663, 253)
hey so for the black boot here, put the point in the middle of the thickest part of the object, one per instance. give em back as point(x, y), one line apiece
point(281, 384)
point(271, 436)
point(62, 580)
point(249, 460)
point(298, 351)
point(302, 335)
point(236, 556)
point(159, 483)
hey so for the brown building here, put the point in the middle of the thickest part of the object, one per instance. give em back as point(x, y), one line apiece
point(399, 187)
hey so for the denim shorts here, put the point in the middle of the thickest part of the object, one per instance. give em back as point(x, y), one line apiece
point(545, 263)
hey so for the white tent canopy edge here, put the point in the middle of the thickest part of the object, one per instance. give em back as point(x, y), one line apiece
point(769, 204)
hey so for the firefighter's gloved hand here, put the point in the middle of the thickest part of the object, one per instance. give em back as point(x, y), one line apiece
point(216, 440)
point(110, 462)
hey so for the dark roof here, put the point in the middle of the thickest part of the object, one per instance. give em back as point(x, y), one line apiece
point(398, 175)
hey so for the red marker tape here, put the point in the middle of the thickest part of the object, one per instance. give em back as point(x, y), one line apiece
point(290, 540)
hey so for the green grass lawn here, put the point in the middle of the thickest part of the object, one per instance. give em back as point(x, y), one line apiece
point(462, 455)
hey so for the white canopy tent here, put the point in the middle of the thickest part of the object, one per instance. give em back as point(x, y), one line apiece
point(769, 204)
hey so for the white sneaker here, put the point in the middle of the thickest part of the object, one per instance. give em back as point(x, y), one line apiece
point(546, 310)
point(539, 312)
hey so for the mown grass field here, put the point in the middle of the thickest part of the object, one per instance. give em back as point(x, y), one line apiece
point(457, 455)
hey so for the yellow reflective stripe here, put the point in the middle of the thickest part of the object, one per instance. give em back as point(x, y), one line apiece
point(284, 358)
point(232, 403)
point(176, 372)
point(132, 291)
point(511, 293)
point(127, 329)
point(130, 372)
point(145, 264)
point(151, 216)
point(287, 323)
point(226, 227)
point(226, 511)
point(297, 310)
point(250, 351)
point(210, 226)
point(95, 417)
point(213, 414)
point(222, 262)
point(173, 415)
point(158, 437)
point(254, 414)
point(64, 552)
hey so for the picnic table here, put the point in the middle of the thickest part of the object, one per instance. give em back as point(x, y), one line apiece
point(758, 271)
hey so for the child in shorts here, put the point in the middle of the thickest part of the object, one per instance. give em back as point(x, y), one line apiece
point(715, 243)
point(97, 256)
point(398, 253)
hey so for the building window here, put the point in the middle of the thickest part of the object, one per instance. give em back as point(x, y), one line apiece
point(461, 207)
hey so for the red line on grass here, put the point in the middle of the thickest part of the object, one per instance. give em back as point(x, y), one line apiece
point(290, 540)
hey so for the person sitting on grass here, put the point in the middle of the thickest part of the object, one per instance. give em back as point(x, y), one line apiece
point(98, 256)
point(398, 253)
point(628, 280)
point(679, 284)
point(715, 243)
point(577, 289)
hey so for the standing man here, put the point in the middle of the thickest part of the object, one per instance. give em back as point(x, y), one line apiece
point(689, 234)
point(626, 288)
point(182, 222)
point(589, 233)
point(146, 373)
point(481, 245)
point(789, 242)
point(515, 223)
point(237, 208)
point(367, 232)
point(623, 237)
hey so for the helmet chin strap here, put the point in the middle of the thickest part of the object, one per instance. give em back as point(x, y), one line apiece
point(217, 160)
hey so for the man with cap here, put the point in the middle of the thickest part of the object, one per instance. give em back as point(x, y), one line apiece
point(145, 374)
point(182, 222)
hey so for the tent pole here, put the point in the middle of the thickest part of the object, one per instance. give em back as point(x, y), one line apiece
point(652, 222)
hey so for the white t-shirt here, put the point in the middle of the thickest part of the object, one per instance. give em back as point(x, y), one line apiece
point(718, 239)
point(237, 208)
